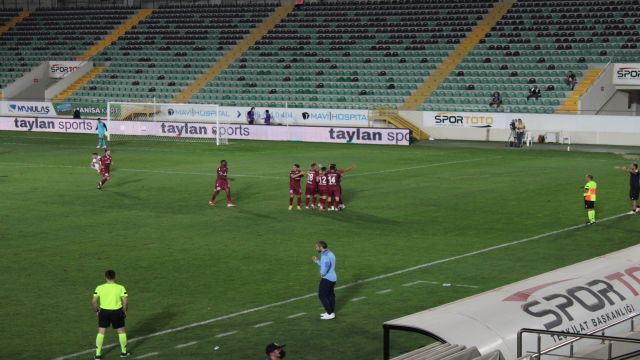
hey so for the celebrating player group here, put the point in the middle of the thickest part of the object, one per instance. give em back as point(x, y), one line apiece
point(323, 184)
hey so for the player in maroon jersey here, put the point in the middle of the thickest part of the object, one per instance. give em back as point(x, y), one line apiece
point(222, 184)
point(333, 187)
point(342, 171)
point(311, 190)
point(322, 186)
point(294, 185)
point(105, 168)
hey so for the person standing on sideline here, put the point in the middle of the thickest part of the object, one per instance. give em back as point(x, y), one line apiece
point(275, 351)
point(251, 116)
point(102, 134)
point(110, 302)
point(267, 117)
point(590, 199)
point(328, 278)
point(634, 186)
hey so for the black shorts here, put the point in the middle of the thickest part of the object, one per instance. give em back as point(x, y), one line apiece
point(634, 193)
point(589, 204)
point(115, 318)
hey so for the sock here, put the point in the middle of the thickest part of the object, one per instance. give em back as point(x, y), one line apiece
point(306, 202)
point(299, 201)
point(290, 201)
point(321, 203)
point(123, 342)
point(228, 198)
point(99, 341)
point(213, 197)
point(314, 201)
point(592, 215)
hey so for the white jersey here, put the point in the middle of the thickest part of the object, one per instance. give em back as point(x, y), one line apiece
point(95, 164)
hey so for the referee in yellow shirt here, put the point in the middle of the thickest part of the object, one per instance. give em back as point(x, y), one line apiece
point(110, 302)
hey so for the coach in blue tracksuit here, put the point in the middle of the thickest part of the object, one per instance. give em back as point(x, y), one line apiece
point(102, 134)
point(328, 278)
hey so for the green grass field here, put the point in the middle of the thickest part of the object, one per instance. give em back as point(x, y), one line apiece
point(184, 263)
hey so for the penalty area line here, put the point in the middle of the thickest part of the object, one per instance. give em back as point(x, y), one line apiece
point(374, 278)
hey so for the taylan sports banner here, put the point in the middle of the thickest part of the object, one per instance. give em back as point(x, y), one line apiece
point(342, 135)
point(61, 69)
point(626, 74)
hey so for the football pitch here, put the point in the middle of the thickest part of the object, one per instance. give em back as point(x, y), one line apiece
point(221, 283)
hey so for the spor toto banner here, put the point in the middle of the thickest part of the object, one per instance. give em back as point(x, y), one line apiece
point(626, 74)
point(232, 131)
point(60, 69)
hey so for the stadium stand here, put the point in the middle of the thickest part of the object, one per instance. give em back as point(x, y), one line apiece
point(54, 34)
point(538, 42)
point(316, 58)
point(168, 50)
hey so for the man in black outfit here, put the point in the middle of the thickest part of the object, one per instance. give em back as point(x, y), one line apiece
point(534, 92)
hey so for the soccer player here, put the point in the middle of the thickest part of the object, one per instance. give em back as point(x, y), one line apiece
point(222, 184)
point(294, 186)
point(105, 168)
point(110, 302)
point(590, 199)
point(102, 134)
point(322, 186)
point(333, 187)
point(95, 162)
point(634, 186)
point(342, 171)
point(328, 279)
point(311, 190)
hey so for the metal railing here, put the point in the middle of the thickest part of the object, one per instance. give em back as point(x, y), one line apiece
point(574, 337)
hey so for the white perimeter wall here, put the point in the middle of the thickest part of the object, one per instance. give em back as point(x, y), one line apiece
point(584, 129)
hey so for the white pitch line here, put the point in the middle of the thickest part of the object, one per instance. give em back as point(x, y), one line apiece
point(466, 286)
point(384, 291)
point(374, 278)
point(359, 298)
point(296, 315)
point(226, 334)
point(421, 282)
point(263, 324)
point(186, 344)
point(147, 355)
point(421, 166)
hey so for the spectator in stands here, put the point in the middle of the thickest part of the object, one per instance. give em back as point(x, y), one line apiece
point(251, 116)
point(76, 113)
point(520, 128)
point(275, 351)
point(571, 80)
point(534, 92)
point(267, 117)
point(496, 99)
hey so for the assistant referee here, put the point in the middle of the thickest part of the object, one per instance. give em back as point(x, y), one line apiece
point(110, 302)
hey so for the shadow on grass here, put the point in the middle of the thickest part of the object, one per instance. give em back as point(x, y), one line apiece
point(344, 295)
point(157, 321)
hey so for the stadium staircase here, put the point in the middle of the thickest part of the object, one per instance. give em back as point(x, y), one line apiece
point(62, 96)
point(236, 52)
point(54, 34)
point(169, 50)
point(449, 64)
point(392, 117)
point(346, 55)
point(571, 103)
point(115, 34)
point(8, 25)
point(537, 43)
